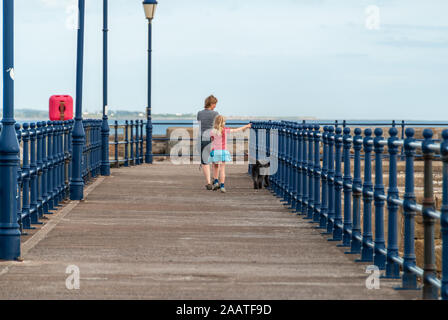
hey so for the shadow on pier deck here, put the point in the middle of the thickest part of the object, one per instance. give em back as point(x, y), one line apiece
point(154, 232)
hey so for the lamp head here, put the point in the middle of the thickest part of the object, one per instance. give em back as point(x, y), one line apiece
point(150, 8)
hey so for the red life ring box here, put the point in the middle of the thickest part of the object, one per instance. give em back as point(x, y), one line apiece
point(61, 107)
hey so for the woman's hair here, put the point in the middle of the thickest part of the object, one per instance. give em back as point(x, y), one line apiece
point(218, 125)
point(209, 101)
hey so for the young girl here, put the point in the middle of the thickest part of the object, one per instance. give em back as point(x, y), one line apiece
point(219, 154)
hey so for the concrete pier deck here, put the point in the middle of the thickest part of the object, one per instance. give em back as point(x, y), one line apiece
point(154, 232)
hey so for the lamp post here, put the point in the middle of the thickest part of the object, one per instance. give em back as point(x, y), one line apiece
point(78, 134)
point(150, 8)
point(9, 146)
point(105, 164)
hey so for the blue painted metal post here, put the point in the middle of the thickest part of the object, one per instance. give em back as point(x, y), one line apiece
point(19, 181)
point(310, 172)
point(132, 157)
point(137, 143)
point(39, 164)
point(392, 267)
point(288, 161)
point(444, 216)
point(330, 180)
point(141, 142)
point(105, 164)
point(409, 279)
point(337, 225)
point(9, 146)
point(299, 168)
point(33, 176)
point(78, 134)
point(324, 202)
point(317, 172)
point(304, 170)
point(148, 155)
point(379, 259)
point(367, 192)
point(126, 143)
point(26, 219)
point(347, 182)
point(117, 163)
point(55, 163)
point(430, 291)
point(50, 166)
point(44, 168)
point(294, 167)
point(355, 245)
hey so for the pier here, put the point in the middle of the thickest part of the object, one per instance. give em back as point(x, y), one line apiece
point(166, 237)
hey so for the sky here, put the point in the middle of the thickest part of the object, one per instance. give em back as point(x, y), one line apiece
point(329, 59)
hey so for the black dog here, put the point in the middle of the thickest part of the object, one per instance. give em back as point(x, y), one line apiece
point(260, 174)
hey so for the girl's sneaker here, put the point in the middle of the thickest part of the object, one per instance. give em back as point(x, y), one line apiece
point(223, 190)
point(209, 186)
point(215, 185)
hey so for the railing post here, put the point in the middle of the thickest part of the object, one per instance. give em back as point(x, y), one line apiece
point(367, 192)
point(26, 220)
point(304, 170)
point(444, 216)
point(330, 180)
point(137, 143)
point(430, 291)
point(317, 173)
point(117, 163)
point(19, 180)
point(378, 258)
point(44, 168)
point(50, 130)
point(126, 143)
point(281, 181)
point(141, 141)
point(355, 245)
point(34, 214)
point(392, 268)
point(293, 173)
point(324, 177)
point(337, 225)
point(287, 156)
point(39, 169)
point(347, 182)
point(298, 177)
point(310, 172)
point(55, 163)
point(409, 279)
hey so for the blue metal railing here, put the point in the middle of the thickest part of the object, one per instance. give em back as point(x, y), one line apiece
point(331, 195)
point(45, 170)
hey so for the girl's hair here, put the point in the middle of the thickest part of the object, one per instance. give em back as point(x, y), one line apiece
point(218, 125)
point(209, 101)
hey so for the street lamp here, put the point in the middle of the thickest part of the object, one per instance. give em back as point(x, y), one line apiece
point(105, 164)
point(9, 146)
point(150, 8)
point(78, 133)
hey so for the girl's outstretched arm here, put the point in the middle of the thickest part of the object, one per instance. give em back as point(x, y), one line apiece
point(247, 126)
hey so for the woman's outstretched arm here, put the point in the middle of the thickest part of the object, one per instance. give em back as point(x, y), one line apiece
point(247, 126)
